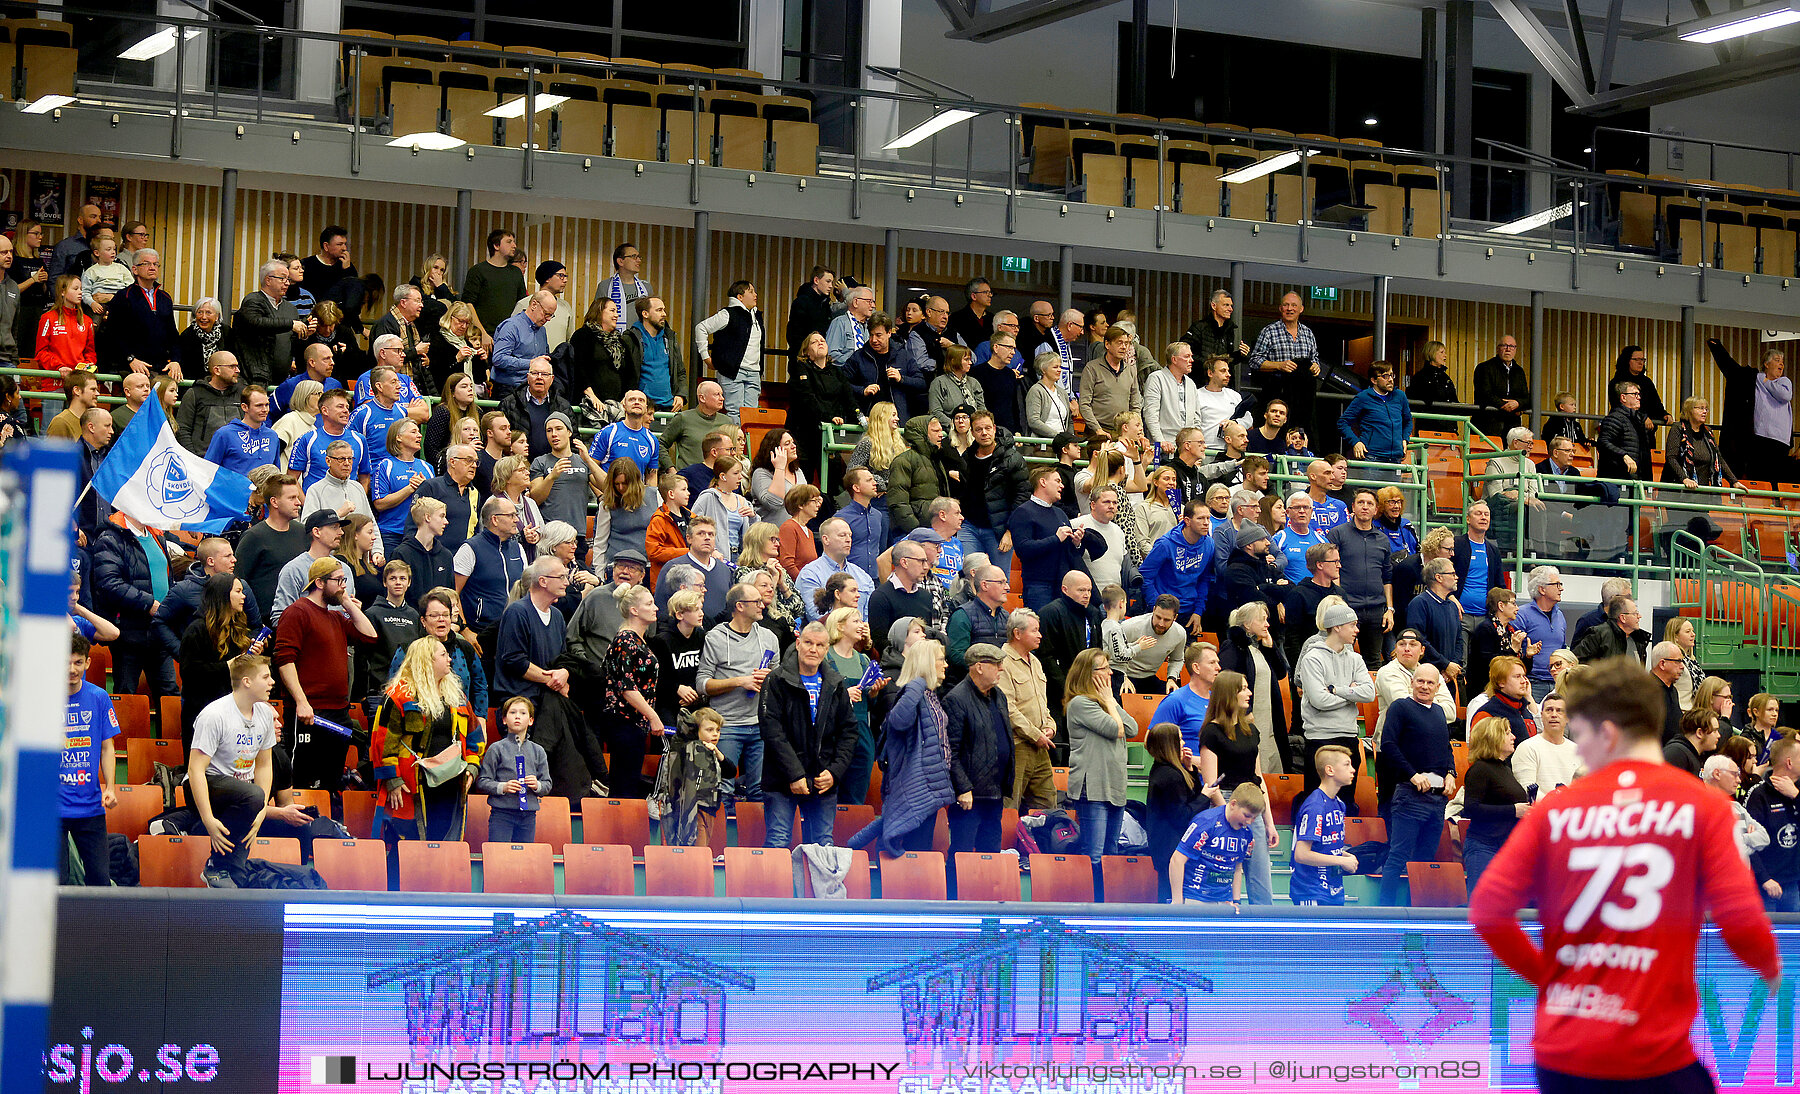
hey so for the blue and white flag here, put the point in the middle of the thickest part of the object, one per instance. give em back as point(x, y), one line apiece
point(155, 481)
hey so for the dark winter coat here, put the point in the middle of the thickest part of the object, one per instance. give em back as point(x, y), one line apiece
point(918, 476)
point(796, 745)
point(980, 738)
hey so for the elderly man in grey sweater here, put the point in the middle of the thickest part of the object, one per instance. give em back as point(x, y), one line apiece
point(734, 661)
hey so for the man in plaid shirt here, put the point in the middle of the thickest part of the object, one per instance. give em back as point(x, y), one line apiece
point(1287, 357)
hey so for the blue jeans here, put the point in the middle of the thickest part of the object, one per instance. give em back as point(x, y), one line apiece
point(1478, 851)
point(1100, 824)
point(130, 659)
point(1039, 594)
point(987, 542)
point(1259, 885)
point(817, 812)
point(745, 391)
point(1541, 688)
point(1415, 824)
point(743, 746)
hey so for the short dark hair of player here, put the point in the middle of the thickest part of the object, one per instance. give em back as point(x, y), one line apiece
point(1617, 690)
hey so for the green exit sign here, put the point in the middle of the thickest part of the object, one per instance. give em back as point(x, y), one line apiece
point(1323, 292)
point(1015, 265)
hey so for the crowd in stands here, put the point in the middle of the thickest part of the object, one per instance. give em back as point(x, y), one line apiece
point(613, 572)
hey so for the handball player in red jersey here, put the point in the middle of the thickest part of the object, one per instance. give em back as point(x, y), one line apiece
point(1623, 866)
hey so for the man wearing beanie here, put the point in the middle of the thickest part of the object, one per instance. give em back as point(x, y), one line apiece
point(1247, 577)
point(553, 278)
point(1333, 680)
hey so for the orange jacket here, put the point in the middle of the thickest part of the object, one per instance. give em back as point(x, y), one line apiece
point(663, 542)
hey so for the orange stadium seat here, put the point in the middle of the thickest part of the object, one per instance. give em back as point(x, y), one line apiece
point(678, 871)
point(752, 872)
point(1437, 884)
point(616, 820)
point(433, 867)
point(1064, 879)
point(517, 868)
point(136, 807)
point(981, 876)
point(915, 875)
point(172, 862)
point(598, 869)
point(358, 865)
point(1128, 879)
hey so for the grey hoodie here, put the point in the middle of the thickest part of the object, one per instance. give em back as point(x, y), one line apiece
point(725, 654)
point(1331, 713)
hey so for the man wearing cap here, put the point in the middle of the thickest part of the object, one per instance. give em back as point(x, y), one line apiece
point(979, 736)
point(902, 594)
point(553, 278)
point(595, 624)
point(1180, 564)
point(1048, 545)
point(325, 534)
point(311, 639)
point(664, 373)
point(937, 577)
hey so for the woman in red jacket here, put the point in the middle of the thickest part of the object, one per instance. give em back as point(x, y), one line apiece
point(65, 337)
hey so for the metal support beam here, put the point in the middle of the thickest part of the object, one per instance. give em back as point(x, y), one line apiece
point(1382, 284)
point(1537, 363)
point(1578, 32)
point(1237, 287)
point(1065, 281)
point(1687, 352)
point(890, 272)
point(1431, 133)
point(1459, 100)
point(1029, 15)
point(461, 230)
point(1537, 40)
point(1140, 57)
point(959, 13)
point(1609, 45)
point(228, 203)
point(702, 287)
point(1686, 85)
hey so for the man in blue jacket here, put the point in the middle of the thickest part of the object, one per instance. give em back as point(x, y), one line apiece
point(1180, 564)
point(1377, 422)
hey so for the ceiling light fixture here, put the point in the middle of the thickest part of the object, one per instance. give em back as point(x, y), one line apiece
point(1535, 220)
point(515, 108)
point(1371, 120)
point(935, 123)
point(46, 104)
point(156, 45)
point(431, 140)
point(1736, 24)
point(1254, 171)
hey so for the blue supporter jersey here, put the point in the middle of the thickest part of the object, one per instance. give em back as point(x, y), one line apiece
point(307, 460)
point(373, 422)
point(640, 446)
point(365, 393)
point(1319, 821)
point(1214, 850)
point(391, 476)
point(91, 722)
point(1328, 514)
point(1293, 546)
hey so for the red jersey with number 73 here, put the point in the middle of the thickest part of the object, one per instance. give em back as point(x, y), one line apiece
point(1623, 867)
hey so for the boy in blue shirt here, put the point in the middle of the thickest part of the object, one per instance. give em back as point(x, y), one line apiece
point(1320, 860)
point(1216, 845)
point(86, 791)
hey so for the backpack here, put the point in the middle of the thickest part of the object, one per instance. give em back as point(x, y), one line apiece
point(1047, 832)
